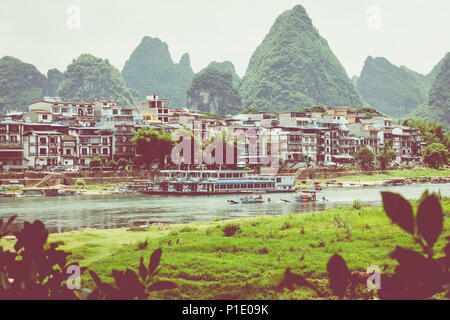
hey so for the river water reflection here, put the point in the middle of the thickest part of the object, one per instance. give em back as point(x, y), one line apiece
point(115, 211)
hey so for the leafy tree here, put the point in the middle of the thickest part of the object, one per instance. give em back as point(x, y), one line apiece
point(96, 162)
point(365, 157)
point(152, 145)
point(80, 182)
point(122, 163)
point(435, 155)
point(431, 131)
point(112, 164)
point(386, 155)
point(250, 111)
point(210, 115)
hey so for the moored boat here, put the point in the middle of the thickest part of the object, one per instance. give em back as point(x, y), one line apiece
point(251, 200)
point(49, 192)
point(216, 182)
point(307, 196)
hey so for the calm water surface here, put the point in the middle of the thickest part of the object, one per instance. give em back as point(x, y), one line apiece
point(114, 211)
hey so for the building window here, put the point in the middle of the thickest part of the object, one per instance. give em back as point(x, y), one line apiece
point(44, 117)
point(105, 151)
point(84, 151)
point(42, 151)
point(42, 140)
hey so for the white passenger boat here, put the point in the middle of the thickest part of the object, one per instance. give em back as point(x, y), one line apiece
point(212, 182)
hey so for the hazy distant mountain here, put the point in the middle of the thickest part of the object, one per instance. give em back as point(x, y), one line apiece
point(430, 77)
point(226, 66)
point(88, 78)
point(392, 90)
point(20, 84)
point(437, 106)
point(212, 91)
point(294, 67)
point(150, 69)
point(54, 79)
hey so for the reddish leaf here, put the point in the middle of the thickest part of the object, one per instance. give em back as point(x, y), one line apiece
point(338, 274)
point(162, 285)
point(430, 219)
point(155, 258)
point(96, 278)
point(143, 270)
point(398, 210)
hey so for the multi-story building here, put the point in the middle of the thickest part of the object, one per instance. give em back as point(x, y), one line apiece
point(54, 132)
point(93, 143)
point(63, 112)
point(11, 146)
point(158, 109)
point(123, 147)
point(42, 148)
point(406, 143)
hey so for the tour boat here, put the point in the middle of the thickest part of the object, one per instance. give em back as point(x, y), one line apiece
point(215, 182)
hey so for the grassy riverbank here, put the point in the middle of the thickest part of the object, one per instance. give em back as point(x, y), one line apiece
point(390, 174)
point(207, 260)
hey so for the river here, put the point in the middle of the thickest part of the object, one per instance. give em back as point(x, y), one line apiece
point(115, 211)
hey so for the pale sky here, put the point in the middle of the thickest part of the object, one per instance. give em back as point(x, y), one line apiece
point(414, 33)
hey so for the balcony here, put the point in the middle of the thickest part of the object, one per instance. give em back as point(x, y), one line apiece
point(10, 146)
point(122, 143)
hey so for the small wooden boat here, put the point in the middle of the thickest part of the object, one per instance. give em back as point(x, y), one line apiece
point(394, 182)
point(251, 200)
point(57, 193)
point(3, 194)
point(307, 196)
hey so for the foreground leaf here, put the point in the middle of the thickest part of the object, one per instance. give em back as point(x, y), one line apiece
point(399, 210)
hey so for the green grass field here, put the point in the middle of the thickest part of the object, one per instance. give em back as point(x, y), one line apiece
point(207, 261)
